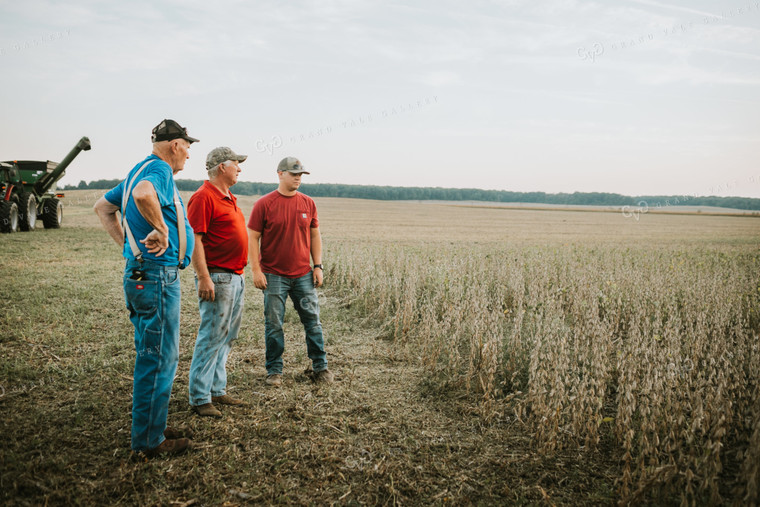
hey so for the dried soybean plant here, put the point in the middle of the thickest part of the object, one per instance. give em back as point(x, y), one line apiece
point(657, 349)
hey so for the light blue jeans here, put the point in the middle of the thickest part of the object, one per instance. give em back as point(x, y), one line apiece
point(305, 300)
point(153, 305)
point(220, 323)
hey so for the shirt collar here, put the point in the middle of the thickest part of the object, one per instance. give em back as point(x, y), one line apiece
point(218, 192)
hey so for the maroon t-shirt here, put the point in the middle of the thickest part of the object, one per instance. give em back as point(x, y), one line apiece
point(285, 224)
point(222, 223)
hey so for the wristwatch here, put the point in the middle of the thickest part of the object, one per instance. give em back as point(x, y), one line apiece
point(319, 266)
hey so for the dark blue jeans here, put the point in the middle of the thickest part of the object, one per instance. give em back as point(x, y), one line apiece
point(153, 305)
point(304, 296)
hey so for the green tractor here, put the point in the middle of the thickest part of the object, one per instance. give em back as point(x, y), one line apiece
point(26, 195)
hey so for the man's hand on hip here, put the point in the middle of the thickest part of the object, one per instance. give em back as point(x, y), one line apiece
point(156, 242)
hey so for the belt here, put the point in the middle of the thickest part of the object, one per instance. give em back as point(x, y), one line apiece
point(220, 270)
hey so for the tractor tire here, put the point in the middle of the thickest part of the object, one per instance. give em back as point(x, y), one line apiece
point(8, 216)
point(27, 211)
point(52, 214)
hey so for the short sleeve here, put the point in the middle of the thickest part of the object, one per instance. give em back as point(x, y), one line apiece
point(114, 195)
point(256, 220)
point(199, 212)
point(160, 175)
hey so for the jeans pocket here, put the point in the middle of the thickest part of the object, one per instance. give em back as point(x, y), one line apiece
point(222, 279)
point(171, 276)
point(275, 284)
point(268, 288)
point(151, 342)
point(142, 296)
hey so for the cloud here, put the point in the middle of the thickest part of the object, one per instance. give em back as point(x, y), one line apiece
point(672, 7)
point(506, 72)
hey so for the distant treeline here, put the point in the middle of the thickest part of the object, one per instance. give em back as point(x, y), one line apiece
point(650, 202)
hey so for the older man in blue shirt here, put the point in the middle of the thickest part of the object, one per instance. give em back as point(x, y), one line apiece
point(157, 242)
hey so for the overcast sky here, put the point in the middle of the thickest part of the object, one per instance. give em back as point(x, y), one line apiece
point(629, 96)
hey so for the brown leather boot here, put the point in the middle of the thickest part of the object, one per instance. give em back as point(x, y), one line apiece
point(169, 446)
point(324, 377)
point(207, 410)
point(174, 433)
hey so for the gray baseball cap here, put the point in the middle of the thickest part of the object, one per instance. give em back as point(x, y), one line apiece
point(222, 154)
point(291, 165)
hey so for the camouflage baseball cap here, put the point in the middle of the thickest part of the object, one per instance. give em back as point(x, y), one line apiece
point(168, 130)
point(291, 165)
point(222, 154)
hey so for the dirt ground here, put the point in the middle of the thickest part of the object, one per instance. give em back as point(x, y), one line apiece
point(382, 434)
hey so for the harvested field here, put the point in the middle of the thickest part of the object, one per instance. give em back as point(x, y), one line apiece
point(482, 356)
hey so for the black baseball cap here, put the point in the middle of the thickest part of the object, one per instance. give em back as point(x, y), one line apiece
point(168, 130)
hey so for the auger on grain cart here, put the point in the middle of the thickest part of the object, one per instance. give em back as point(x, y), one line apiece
point(26, 195)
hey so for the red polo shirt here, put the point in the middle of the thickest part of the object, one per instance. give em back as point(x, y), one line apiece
point(217, 217)
point(285, 224)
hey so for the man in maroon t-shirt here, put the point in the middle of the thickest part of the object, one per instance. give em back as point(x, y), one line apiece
point(219, 258)
point(283, 237)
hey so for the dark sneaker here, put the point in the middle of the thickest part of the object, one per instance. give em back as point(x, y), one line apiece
point(226, 400)
point(207, 410)
point(169, 446)
point(324, 377)
point(274, 380)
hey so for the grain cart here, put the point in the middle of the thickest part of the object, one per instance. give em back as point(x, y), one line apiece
point(26, 195)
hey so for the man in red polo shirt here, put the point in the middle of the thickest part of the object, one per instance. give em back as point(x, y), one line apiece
point(220, 229)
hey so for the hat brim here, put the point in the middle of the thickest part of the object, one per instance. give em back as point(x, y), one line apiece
point(172, 137)
point(299, 172)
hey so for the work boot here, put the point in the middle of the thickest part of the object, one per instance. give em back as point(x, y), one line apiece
point(226, 399)
point(174, 433)
point(324, 377)
point(274, 380)
point(207, 410)
point(169, 446)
